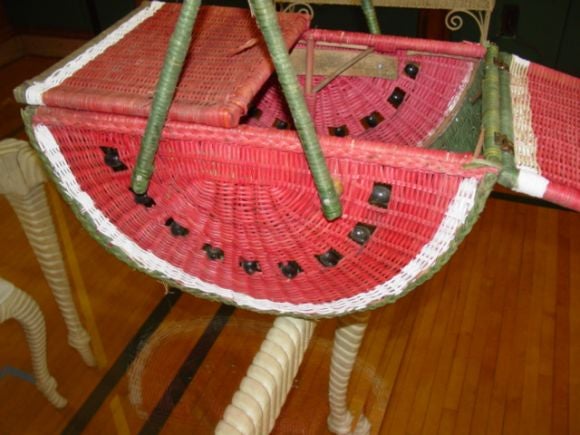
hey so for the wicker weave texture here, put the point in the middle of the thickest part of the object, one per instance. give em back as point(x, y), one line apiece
point(547, 139)
point(432, 98)
point(249, 193)
point(226, 66)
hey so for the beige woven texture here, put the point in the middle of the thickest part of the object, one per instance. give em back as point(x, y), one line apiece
point(21, 181)
point(22, 308)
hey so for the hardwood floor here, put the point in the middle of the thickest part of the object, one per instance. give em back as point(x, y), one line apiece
point(491, 345)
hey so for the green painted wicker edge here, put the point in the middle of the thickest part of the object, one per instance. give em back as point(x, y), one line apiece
point(20, 91)
point(483, 192)
point(491, 106)
point(508, 176)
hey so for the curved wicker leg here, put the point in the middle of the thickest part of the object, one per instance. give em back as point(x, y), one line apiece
point(21, 182)
point(347, 340)
point(21, 307)
point(262, 393)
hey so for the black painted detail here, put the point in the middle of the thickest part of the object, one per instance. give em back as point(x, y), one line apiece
point(372, 120)
point(175, 228)
point(397, 97)
point(361, 233)
point(144, 199)
point(412, 69)
point(254, 112)
point(112, 159)
point(250, 267)
point(381, 195)
point(290, 269)
point(280, 124)
point(212, 252)
point(330, 258)
point(340, 131)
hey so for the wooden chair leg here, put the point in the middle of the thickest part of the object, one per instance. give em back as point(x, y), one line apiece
point(21, 181)
point(347, 341)
point(21, 307)
point(262, 393)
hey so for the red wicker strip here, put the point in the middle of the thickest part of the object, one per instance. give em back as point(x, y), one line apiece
point(249, 193)
point(429, 98)
point(227, 65)
point(555, 107)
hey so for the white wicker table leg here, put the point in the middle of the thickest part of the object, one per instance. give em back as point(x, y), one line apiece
point(17, 305)
point(21, 181)
point(262, 393)
point(347, 340)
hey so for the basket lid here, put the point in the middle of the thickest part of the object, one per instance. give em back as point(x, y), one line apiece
point(117, 72)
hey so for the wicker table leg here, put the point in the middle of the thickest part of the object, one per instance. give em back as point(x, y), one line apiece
point(262, 393)
point(18, 305)
point(22, 181)
point(347, 341)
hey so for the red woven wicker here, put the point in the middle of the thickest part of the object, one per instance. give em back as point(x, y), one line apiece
point(236, 214)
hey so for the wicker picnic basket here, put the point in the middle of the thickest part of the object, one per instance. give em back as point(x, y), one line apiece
point(206, 185)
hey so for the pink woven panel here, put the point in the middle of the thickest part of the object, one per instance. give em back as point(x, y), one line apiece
point(555, 106)
point(430, 97)
point(250, 193)
point(218, 80)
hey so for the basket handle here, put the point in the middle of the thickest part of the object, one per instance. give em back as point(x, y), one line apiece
point(174, 59)
point(166, 86)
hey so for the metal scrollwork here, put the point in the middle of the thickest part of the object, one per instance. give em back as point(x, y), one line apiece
point(302, 8)
point(454, 21)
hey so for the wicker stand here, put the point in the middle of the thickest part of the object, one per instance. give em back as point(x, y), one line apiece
point(17, 305)
point(347, 340)
point(262, 392)
point(21, 181)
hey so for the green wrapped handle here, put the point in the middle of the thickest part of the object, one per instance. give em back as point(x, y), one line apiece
point(172, 66)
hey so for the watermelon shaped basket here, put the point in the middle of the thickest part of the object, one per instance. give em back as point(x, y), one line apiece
point(215, 185)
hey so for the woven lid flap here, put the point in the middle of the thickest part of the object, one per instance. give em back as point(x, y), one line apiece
point(117, 72)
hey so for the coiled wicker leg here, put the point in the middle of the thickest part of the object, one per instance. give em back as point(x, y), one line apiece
point(21, 181)
point(262, 393)
point(347, 341)
point(22, 308)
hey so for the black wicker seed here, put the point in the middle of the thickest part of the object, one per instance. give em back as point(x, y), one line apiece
point(361, 233)
point(144, 199)
point(254, 112)
point(340, 131)
point(290, 269)
point(112, 159)
point(280, 125)
point(250, 267)
point(397, 97)
point(411, 70)
point(330, 258)
point(371, 120)
point(175, 228)
point(380, 195)
point(212, 252)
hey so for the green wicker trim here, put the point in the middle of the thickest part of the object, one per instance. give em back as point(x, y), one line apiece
point(508, 176)
point(20, 91)
point(268, 23)
point(491, 106)
point(371, 16)
point(463, 127)
point(483, 191)
point(172, 66)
